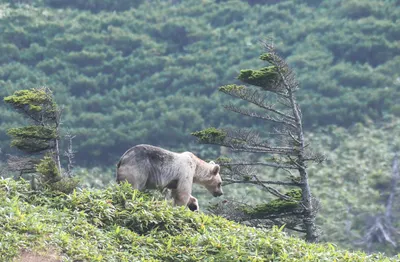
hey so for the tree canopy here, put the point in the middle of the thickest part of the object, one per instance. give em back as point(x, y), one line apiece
point(147, 71)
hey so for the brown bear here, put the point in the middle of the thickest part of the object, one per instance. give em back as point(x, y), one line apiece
point(150, 167)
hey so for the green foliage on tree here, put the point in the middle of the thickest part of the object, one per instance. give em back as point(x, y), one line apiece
point(276, 206)
point(32, 139)
point(38, 107)
point(210, 134)
point(264, 77)
point(48, 168)
point(42, 136)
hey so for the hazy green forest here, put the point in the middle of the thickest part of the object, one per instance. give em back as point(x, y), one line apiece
point(136, 71)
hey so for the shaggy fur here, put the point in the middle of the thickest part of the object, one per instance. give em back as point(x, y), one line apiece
point(150, 167)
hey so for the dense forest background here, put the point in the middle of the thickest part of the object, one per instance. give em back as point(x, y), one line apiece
point(131, 72)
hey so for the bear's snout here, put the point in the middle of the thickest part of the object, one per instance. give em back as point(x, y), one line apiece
point(217, 194)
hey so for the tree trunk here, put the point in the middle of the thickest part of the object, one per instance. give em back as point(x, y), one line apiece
point(309, 214)
point(57, 146)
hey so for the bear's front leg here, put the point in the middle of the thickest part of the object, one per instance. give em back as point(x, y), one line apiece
point(182, 193)
point(180, 198)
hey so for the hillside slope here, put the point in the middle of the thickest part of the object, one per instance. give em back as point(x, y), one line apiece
point(131, 72)
point(119, 224)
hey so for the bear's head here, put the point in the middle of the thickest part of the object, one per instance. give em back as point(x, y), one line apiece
point(214, 185)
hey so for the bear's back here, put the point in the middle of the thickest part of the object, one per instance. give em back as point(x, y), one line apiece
point(154, 166)
point(143, 153)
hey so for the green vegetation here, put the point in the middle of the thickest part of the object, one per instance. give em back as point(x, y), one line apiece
point(25, 137)
point(39, 108)
point(210, 134)
point(32, 101)
point(41, 137)
point(147, 71)
point(131, 72)
point(120, 224)
point(263, 77)
point(276, 206)
point(231, 88)
point(48, 168)
point(347, 184)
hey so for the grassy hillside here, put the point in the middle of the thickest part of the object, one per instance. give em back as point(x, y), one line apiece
point(352, 184)
point(119, 224)
point(131, 72)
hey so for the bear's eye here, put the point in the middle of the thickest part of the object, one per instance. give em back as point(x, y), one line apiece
point(219, 184)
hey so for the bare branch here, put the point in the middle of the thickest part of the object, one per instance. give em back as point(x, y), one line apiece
point(379, 227)
point(273, 190)
point(70, 154)
point(239, 172)
point(249, 141)
point(294, 162)
point(280, 183)
point(380, 230)
point(270, 164)
point(257, 99)
point(247, 112)
point(57, 121)
point(393, 186)
point(261, 149)
point(294, 139)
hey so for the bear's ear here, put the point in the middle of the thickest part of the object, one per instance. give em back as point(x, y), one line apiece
point(216, 169)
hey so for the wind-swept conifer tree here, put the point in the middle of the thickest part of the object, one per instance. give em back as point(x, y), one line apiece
point(271, 92)
point(40, 140)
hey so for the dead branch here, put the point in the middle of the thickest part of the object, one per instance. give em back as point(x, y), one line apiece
point(70, 154)
point(247, 112)
point(255, 98)
point(393, 186)
point(281, 183)
point(380, 229)
point(270, 164)
point(272, 190)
